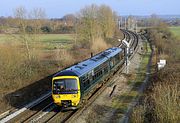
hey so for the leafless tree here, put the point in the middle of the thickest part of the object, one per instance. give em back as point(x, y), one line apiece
point(107, 20)
point(20, 15)
point(37, 16)
point(95, 22)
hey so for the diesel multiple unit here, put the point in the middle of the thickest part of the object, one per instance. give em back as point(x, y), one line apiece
point(71, 85)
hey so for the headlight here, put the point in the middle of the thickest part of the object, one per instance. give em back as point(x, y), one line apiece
point(57, 96)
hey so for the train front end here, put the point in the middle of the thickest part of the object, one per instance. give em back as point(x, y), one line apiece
point(66, 91)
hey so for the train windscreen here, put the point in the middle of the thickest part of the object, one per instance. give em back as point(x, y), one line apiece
point(65, 86)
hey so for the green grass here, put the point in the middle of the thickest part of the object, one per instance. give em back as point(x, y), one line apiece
point(53, 41)
point(4, 37)
point(143, 66)
point(123, 101)
point(175, 31)
point(45, 37)
point(50, 41)
point(55, 37)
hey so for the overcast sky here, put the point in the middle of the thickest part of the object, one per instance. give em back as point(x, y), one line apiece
point(59, 8)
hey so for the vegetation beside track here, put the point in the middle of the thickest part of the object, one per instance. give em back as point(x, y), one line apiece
point(135, 82)
point(160, 102)
point(18, 71)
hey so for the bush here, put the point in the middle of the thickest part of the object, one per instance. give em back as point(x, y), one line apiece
point(16, 69)
point(99, 45)
point(166, 98)
point(29, 29)
point(163, 94)
point(46, 29)
point(63, 58)
point(64, 29)
point(138, 114)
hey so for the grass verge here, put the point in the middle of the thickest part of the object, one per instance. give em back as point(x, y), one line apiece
point(123, 101)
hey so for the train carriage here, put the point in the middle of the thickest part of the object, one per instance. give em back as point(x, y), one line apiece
point(71, 85)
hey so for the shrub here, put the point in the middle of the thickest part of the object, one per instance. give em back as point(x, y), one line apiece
point(163, 94)
point(99, 45)
point(63, 58)
point(138, 114)
point(46, 29)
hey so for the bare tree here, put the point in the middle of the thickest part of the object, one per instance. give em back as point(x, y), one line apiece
point(107, 20)
point(95, 22)
point(25, 20)
point(69, 19)
point(37, 15)
point(88, 28)
point(154, 20)
point(20, 15)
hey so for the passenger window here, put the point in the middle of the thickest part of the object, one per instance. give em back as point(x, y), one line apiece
point(84, 84)
point(88, 82)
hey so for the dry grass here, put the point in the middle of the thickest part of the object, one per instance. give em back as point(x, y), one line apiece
point(99, 45)
point(10, 67)
point(161, 105)
point(18, 71)
point(166, 100)
point(138, 114)
point(163, 94)
point(63, 58)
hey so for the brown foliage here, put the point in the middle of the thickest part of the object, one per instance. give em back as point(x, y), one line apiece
point(163, 94)
point(16, 69)
point(95, 22)
point(99, 45)
point(63, 58)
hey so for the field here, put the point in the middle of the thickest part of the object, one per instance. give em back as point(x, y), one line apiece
point(176, 31)
point(46, 41)
point(51, 41)
point(44, 37)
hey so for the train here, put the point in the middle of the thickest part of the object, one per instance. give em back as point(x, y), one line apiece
point(71, 86)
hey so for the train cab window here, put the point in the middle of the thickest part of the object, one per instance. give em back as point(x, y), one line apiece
point(65, 86)
point(71, 84)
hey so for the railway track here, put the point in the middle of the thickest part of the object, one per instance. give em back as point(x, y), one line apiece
point(43, 110)
point(108, 83)
point(130, 37)
point(33, 106)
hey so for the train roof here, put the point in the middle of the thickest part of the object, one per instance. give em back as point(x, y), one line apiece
point(87, 65)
